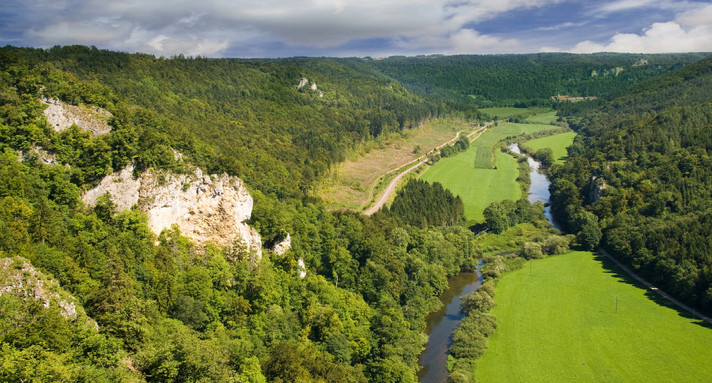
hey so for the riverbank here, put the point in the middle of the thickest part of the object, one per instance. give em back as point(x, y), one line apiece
point(442, 323)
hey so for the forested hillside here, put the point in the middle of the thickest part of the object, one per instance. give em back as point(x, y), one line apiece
point(641, 165)
point(525, 79)
point(157, 307)
point(255, 118)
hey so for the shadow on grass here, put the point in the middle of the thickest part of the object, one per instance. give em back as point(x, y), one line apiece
point(613, 269)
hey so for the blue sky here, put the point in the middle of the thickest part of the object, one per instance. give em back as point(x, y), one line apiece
point(377, 28)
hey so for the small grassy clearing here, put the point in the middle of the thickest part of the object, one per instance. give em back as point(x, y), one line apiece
point(543, 118)
point(480, 185)
point(578, 318)
point(477, 187)
point(509, 112)
point(357, 179)
point(558, 144)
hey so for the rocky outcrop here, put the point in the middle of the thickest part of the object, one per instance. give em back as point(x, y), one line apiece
point(44, 156)
point(206, 208)
point(596, 188)
point(62, 115)
point(282, 247)
point(301, 268)
point(19, 278)
point(305, 81)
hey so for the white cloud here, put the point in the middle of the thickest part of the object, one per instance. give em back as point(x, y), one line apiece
point(691, 31)
point(210, 27)
point(628, 5)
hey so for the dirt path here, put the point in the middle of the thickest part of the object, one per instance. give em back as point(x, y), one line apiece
point(390, 189)
point(649, 285)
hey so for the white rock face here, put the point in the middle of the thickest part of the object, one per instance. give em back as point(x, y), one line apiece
point(206, 208)
point(19, 278)
point(62, 115)
point(302, 270)
point(122, 187)
point(284, 246)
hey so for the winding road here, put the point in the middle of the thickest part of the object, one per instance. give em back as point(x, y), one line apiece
point(391, 188)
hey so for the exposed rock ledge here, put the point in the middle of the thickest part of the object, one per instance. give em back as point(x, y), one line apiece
point(206, 208)
point(19, 278)
point(62, 115)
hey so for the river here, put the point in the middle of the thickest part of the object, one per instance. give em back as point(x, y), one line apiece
point(539, 185)
point(442, 323)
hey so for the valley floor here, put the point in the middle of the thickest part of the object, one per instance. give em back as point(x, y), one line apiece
point(578, 317)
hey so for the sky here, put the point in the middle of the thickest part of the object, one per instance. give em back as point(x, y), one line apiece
point(346, 28)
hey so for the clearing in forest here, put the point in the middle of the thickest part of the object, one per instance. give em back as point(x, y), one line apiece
point(522, 113)
point(357, 179)
point(482, 174)
point(558, 144)
point(543, 118)
point(579, 318)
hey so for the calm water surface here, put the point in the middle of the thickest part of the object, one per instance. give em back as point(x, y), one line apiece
point(442, 323)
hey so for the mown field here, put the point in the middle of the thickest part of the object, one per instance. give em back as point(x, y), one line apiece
point(558, 144)
point(472, 175)
point(578, 318)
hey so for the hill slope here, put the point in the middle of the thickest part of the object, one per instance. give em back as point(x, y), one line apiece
point(641, 164)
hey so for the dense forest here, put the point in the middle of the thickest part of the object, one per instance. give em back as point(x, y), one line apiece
point(525, 80)
point(159, 308)
point(252, 118)
point(641, 167)
point(422, 204)
point(147, 307)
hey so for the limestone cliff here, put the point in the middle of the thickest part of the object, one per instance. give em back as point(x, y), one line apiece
point(207, 208)
point(62, 115)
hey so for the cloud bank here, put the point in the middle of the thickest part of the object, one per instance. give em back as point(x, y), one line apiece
point(271, 28)
point(690, 31)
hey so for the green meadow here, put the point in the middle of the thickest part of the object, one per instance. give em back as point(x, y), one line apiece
point(543, 118)
point(558, 144)
point(508, 112)
point(578, 318)
point(482, 174)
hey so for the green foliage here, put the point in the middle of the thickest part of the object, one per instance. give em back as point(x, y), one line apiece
point(462, 144)
point(167, 310)
point(499, 216)
point(524, 80)
point(422, 204)
point(640, 164)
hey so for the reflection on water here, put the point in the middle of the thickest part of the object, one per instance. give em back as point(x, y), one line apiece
point(539, 186)
point(442, 323)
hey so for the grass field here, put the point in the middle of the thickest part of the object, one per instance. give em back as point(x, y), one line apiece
point(543, 118)
point(356, 178)
point(501, 113)
point(477, 187)
point(558, 144)
point(578, 318)
point(480, 185)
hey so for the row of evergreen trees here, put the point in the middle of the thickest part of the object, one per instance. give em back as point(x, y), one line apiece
point(422, 204)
